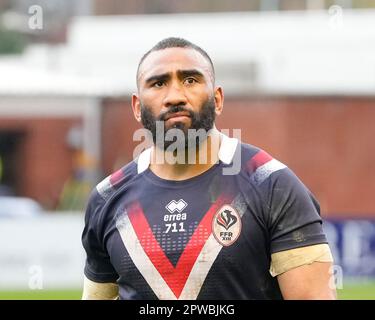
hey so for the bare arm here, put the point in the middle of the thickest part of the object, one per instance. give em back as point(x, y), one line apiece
point(304, 273)
point(308, 282)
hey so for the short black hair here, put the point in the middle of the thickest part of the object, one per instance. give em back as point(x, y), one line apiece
point(173, 42)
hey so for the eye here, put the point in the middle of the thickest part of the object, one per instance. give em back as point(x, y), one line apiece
point(158, 84)
point(190, 80)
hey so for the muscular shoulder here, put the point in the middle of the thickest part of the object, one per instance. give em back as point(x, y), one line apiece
point(274, 181)
point(265, 171)
point(107, 187)
point(258, 164)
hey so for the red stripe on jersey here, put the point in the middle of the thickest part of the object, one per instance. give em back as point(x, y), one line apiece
point(147, 239)
point(116, 177)
point(175, 277)
point(258, 160)
point(198, 240)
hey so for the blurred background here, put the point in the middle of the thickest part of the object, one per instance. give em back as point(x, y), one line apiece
point(299, 81)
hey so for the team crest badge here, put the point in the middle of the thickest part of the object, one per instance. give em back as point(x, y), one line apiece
point(226, 225)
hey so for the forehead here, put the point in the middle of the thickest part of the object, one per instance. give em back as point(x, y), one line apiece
point(172, 59)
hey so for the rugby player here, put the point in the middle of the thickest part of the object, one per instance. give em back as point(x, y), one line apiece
point(189, 229)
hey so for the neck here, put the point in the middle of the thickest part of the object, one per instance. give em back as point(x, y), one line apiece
point(194, 162)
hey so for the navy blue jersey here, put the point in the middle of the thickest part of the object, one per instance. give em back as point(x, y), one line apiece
point(208, 237)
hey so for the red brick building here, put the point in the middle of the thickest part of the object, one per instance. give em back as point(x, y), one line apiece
point(40, 138)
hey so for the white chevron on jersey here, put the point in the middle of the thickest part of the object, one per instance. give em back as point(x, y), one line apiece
point(141, 260)
point(151, 274)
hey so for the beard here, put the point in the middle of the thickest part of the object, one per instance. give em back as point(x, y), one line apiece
point(202, 120)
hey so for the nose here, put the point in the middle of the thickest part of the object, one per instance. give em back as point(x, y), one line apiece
point(175, 96)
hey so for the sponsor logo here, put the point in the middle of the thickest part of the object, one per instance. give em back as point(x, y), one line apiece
point(176, 206)
point(226, 225)
point(169, 219)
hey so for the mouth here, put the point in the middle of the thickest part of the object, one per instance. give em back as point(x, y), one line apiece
point(178, 115)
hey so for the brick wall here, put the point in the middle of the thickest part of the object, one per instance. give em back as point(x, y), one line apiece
point(44, 161)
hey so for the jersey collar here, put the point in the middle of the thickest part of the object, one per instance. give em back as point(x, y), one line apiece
point(226, 153)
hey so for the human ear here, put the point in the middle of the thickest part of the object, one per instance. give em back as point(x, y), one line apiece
point(136, 106)
point(219, 100)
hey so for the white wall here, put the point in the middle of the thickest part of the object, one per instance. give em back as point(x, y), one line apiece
point(42, 253)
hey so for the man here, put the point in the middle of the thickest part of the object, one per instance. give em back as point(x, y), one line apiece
point(185, 229)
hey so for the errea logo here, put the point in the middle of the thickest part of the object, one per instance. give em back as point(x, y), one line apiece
point(174, 222)
point(176, 206)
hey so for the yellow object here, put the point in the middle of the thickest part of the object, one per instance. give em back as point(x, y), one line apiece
point(286, 260)
point(99, 291)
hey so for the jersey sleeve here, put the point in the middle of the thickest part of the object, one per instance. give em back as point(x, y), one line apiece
point(294, 213)
point(98, 267)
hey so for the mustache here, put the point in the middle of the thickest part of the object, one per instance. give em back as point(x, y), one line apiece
point(175, 109)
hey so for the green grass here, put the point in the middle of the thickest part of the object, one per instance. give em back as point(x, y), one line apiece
point(351, 291)
point(41, 295)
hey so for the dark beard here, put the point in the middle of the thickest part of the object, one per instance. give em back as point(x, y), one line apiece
point(204, 119)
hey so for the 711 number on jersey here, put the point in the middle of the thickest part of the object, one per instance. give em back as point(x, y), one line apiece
point(173, 226)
